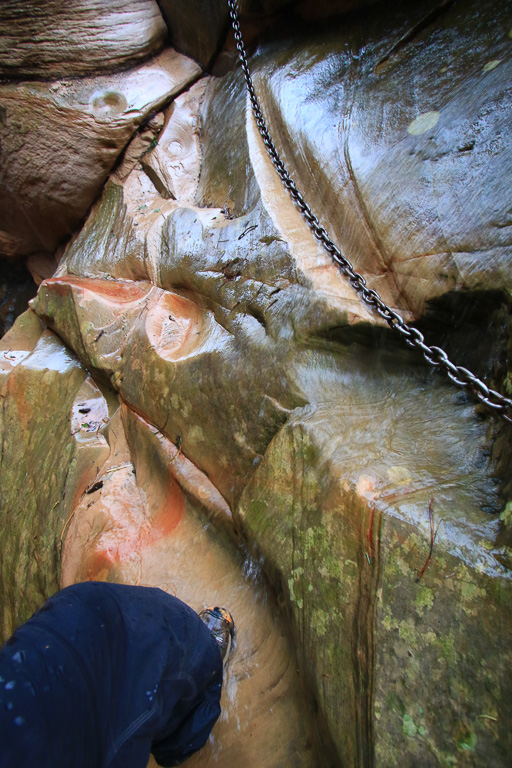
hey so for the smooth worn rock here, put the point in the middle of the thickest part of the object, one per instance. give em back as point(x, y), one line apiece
point(45, 465)
point(399, 131)
point(60, 140)
point(340, 513)
point(151, 518)
point(173, 165)
point(274, 439)
point(113, 325)
point(57, 39)
point(123, 504)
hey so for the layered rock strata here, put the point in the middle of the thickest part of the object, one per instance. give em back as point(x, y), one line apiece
point(229, 421)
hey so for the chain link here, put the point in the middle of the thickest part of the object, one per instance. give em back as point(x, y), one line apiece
point(435, 356)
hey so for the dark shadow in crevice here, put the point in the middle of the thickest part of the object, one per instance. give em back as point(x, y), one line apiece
point(16, 289)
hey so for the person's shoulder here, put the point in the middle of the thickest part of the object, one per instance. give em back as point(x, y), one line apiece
point(125, 596)
point(115, 605)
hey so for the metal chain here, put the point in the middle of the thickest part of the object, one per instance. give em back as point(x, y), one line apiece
point(433, 355)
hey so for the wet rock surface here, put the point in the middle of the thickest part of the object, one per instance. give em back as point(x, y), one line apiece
point(229, 422)
point(405, 143)
point(43, 473)
point(409, 647)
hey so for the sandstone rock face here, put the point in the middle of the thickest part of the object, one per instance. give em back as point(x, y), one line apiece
point(115, 500)
point(42, 382)
point(59, 141)
point(232, 424)
point(434, 155)
point(87, 37)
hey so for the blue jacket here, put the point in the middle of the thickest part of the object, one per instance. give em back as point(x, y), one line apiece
point(103, 674)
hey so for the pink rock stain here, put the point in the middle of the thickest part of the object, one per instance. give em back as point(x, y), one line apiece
point(129, 538)
point(114, 291)
point(171, 512)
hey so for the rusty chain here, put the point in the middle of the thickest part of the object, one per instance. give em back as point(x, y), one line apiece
point(435, 356)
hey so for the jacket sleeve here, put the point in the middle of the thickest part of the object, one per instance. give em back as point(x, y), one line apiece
point(192, 733)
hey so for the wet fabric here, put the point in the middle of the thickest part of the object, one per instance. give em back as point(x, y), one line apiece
point(104, 673)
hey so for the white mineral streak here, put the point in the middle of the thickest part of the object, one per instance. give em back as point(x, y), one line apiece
point(308, 253)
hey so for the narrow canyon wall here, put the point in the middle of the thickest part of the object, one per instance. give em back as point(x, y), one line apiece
point(196, 398)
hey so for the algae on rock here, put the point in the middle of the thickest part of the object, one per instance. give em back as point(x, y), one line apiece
point(264, 410)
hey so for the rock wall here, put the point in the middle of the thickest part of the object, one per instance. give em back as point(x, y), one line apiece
point(197, 400)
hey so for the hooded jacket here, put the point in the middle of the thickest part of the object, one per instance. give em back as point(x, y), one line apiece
point(103, 674)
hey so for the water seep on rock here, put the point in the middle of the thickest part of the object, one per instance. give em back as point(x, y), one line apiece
point(254, 436)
